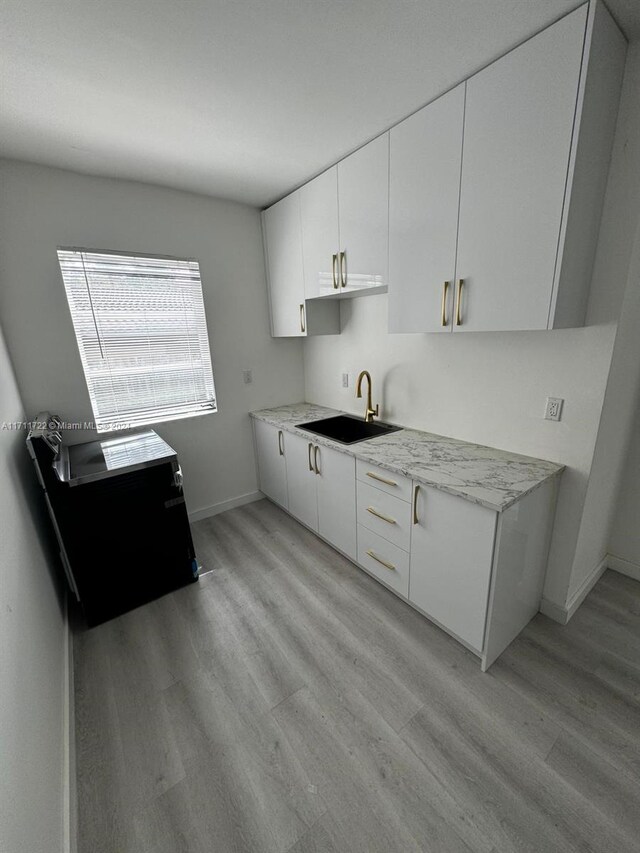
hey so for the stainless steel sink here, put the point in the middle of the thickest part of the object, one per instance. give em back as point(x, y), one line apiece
point(347, 429)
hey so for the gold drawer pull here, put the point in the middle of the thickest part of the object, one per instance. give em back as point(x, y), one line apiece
point(334, 272)
point(380, 515)
point(445, 288)
point(416, 490)
point(380, 479)
point(459, 303)
point(381, 561)
point(343, 268)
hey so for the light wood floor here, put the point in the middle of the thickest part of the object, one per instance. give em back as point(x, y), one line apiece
point(288, 702)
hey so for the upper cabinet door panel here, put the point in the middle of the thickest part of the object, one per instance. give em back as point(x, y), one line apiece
point(320, 240)
point(424, 185)
point(518, 125)
point(283, 240)
point(363, 193)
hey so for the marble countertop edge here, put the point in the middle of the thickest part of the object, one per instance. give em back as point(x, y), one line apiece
point(475, 472)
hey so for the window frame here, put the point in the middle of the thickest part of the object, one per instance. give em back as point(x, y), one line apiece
point(119, 423)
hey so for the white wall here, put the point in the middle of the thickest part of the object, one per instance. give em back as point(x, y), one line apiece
point(42, 208)
point(491, 388)
point(625, 535)
point(611, 481)
point(615, 292)
point(32, 652)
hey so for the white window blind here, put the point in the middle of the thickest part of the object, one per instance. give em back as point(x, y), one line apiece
point(142, 336)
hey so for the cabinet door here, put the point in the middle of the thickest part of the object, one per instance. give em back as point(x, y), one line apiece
point(517, 138)
point(424, 186)
point(336, 489)
point(363, 196)
point(301, 480)
point(283, 249)
point(320, 241)
point(451, 559)
point(272, 470)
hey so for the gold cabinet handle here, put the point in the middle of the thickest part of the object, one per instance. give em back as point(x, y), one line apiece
point(380, 479)
point(315, 458)
point(380, 515)
point(382, 562)
point(310, 462)
point(280, 447)
point(445, 289)
point(416, 489)
point(459, 302)
point(302, 326)
point(334, 271)
point(343, 269)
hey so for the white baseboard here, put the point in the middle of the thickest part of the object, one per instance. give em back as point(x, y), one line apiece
point(562, 614)
point(625, 567)
point(554, 611)
point(223, 506)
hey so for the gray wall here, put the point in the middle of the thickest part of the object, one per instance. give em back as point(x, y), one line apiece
point(42, 208)
point(32, 651)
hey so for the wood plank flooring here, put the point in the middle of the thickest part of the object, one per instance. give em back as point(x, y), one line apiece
point(287, 703)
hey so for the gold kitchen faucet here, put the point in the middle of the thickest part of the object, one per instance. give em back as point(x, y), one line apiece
point(370, 413)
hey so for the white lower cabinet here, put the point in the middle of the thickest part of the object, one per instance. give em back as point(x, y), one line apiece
point(272, 468)
point(336, 491)
point(452, 542)
point(301, 480)
point(321, 486)
point(383, 560)
point(476, 572)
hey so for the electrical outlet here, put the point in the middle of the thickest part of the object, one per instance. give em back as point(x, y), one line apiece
point(247, 375)
point(345, 380)
point(553, 409)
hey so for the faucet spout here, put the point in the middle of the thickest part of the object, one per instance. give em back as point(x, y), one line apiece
point(370, 413)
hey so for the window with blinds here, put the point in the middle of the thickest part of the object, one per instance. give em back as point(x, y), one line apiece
point(142, 335)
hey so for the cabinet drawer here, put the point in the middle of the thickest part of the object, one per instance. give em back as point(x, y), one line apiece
point(374, 552)
point(386, 481)
point(385, 514)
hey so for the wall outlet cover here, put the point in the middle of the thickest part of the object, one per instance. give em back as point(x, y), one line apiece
point(553, 408)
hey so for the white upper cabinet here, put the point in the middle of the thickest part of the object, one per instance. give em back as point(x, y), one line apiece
point(320, 236)
point(363, 204)
point(283, 248)
point(291, 314)
point(538, 132)
point(345, 224)
point(518, 124)
point(424, 182)
point(480, 212)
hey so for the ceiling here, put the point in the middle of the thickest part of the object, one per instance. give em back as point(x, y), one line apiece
point(243, 99)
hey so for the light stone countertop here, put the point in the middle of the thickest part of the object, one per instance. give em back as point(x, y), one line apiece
point(487, 476)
